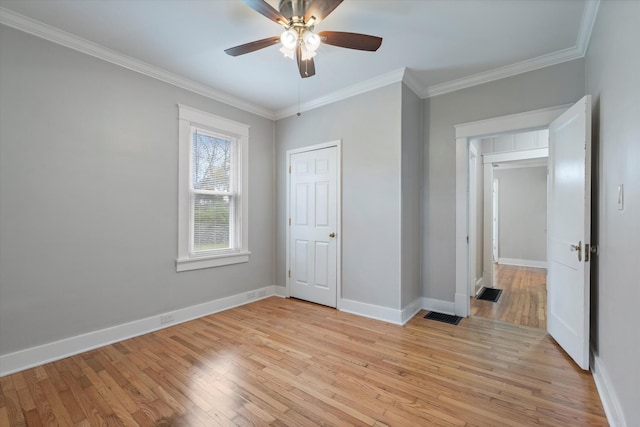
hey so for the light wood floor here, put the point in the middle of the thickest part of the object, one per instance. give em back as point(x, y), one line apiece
point(287, 362)
point(523, 300)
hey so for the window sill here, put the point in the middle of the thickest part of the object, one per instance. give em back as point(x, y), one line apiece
point(186, 264)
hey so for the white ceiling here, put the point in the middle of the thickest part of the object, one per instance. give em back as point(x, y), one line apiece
point(444, 44)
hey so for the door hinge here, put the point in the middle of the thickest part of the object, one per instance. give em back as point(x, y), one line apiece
point(289, 274)
point(289, 169)
point(289, 221)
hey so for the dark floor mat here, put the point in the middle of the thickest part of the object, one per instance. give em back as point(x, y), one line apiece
point(489, 294)
point(445, 318)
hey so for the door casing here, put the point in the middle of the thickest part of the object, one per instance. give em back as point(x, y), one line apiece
point(531, 120)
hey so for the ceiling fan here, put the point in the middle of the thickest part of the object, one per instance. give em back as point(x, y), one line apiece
point(298, 17)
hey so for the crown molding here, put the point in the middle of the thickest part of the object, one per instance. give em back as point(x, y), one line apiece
point(586, 25)
point(537, 63)
point(412, 82)
point(576, 52)
point(353, 90)
point(63, 38)
point(55, 35)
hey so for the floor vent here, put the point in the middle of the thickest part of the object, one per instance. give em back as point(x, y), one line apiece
point(489, 294)
point(445, 318)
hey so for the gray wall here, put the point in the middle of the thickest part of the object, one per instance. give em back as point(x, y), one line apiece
point(522, 213)
point(369, 126)
point(412, 143)
point(613, 79)
point(88, 196)
point(551, 86)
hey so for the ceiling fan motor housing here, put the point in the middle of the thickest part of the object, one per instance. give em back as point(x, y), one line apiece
point(291, 8)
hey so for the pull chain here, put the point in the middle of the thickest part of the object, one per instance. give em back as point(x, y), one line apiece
point(299, 113)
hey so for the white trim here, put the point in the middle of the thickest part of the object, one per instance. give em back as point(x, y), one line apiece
point(280, 291)
point(521, 67)
point(576, 52)
point(462, 226)
point(536, 119)
point(383, 80)
point(606, 390)
point(412, 82)
point(510, 156)
point(412, 309)
point(539, 163)
point(522, 262)
point(586, 25)
point(55, 35)
point(446, 307)
point(187, 118)
point(338, 144)
point(221, 123)
point(187, 264)
point(377, 312)
point(36, 356)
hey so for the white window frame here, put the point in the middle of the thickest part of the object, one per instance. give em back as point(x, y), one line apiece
point(189, 118)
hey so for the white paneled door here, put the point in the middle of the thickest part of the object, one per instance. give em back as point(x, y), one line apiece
point(569, 221)
point(313, 206)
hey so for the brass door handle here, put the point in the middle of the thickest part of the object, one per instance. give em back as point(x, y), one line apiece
point(578, 248)
point(332, 235)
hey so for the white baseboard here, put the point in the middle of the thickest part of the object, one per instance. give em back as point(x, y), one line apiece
point(446, 307)
point(372, 311)
point(522, 262)
point(36, 356)
point(607, 393)
point(411, 310)
point(280, 291)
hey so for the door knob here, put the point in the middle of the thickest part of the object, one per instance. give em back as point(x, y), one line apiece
point(578, 248)
point(332, 235)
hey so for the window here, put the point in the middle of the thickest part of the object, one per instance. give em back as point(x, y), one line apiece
point(213, 211)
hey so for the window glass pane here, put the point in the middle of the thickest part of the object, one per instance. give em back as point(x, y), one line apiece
point(211, 163)
point(211, 222)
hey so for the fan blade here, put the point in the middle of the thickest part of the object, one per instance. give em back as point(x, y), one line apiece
point(307, 68)
point(320, 9)
point(265, 9)
point(351, 40)
point(251, 47)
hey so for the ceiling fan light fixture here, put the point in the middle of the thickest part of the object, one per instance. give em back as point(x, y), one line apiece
point(298, 40)
point(289, 38)
point(288, 53)
point(311, 40)
point(306, 54)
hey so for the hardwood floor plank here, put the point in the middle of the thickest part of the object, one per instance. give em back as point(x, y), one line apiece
point(87, 406)
point(283, 362)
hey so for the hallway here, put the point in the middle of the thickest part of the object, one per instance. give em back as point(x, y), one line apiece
point(523, 299)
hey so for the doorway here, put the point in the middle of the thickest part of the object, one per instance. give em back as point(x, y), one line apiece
point(568, 217)
point(313, 232)
point(532, 120)
point(512, 209)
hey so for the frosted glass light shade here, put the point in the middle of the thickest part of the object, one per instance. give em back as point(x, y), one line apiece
point(289, 38)
point(311, 40)
point(289, 53)
point(306, 54)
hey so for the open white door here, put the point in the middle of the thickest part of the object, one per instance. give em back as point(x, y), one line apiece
point(569, 222)
point(313, 227)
